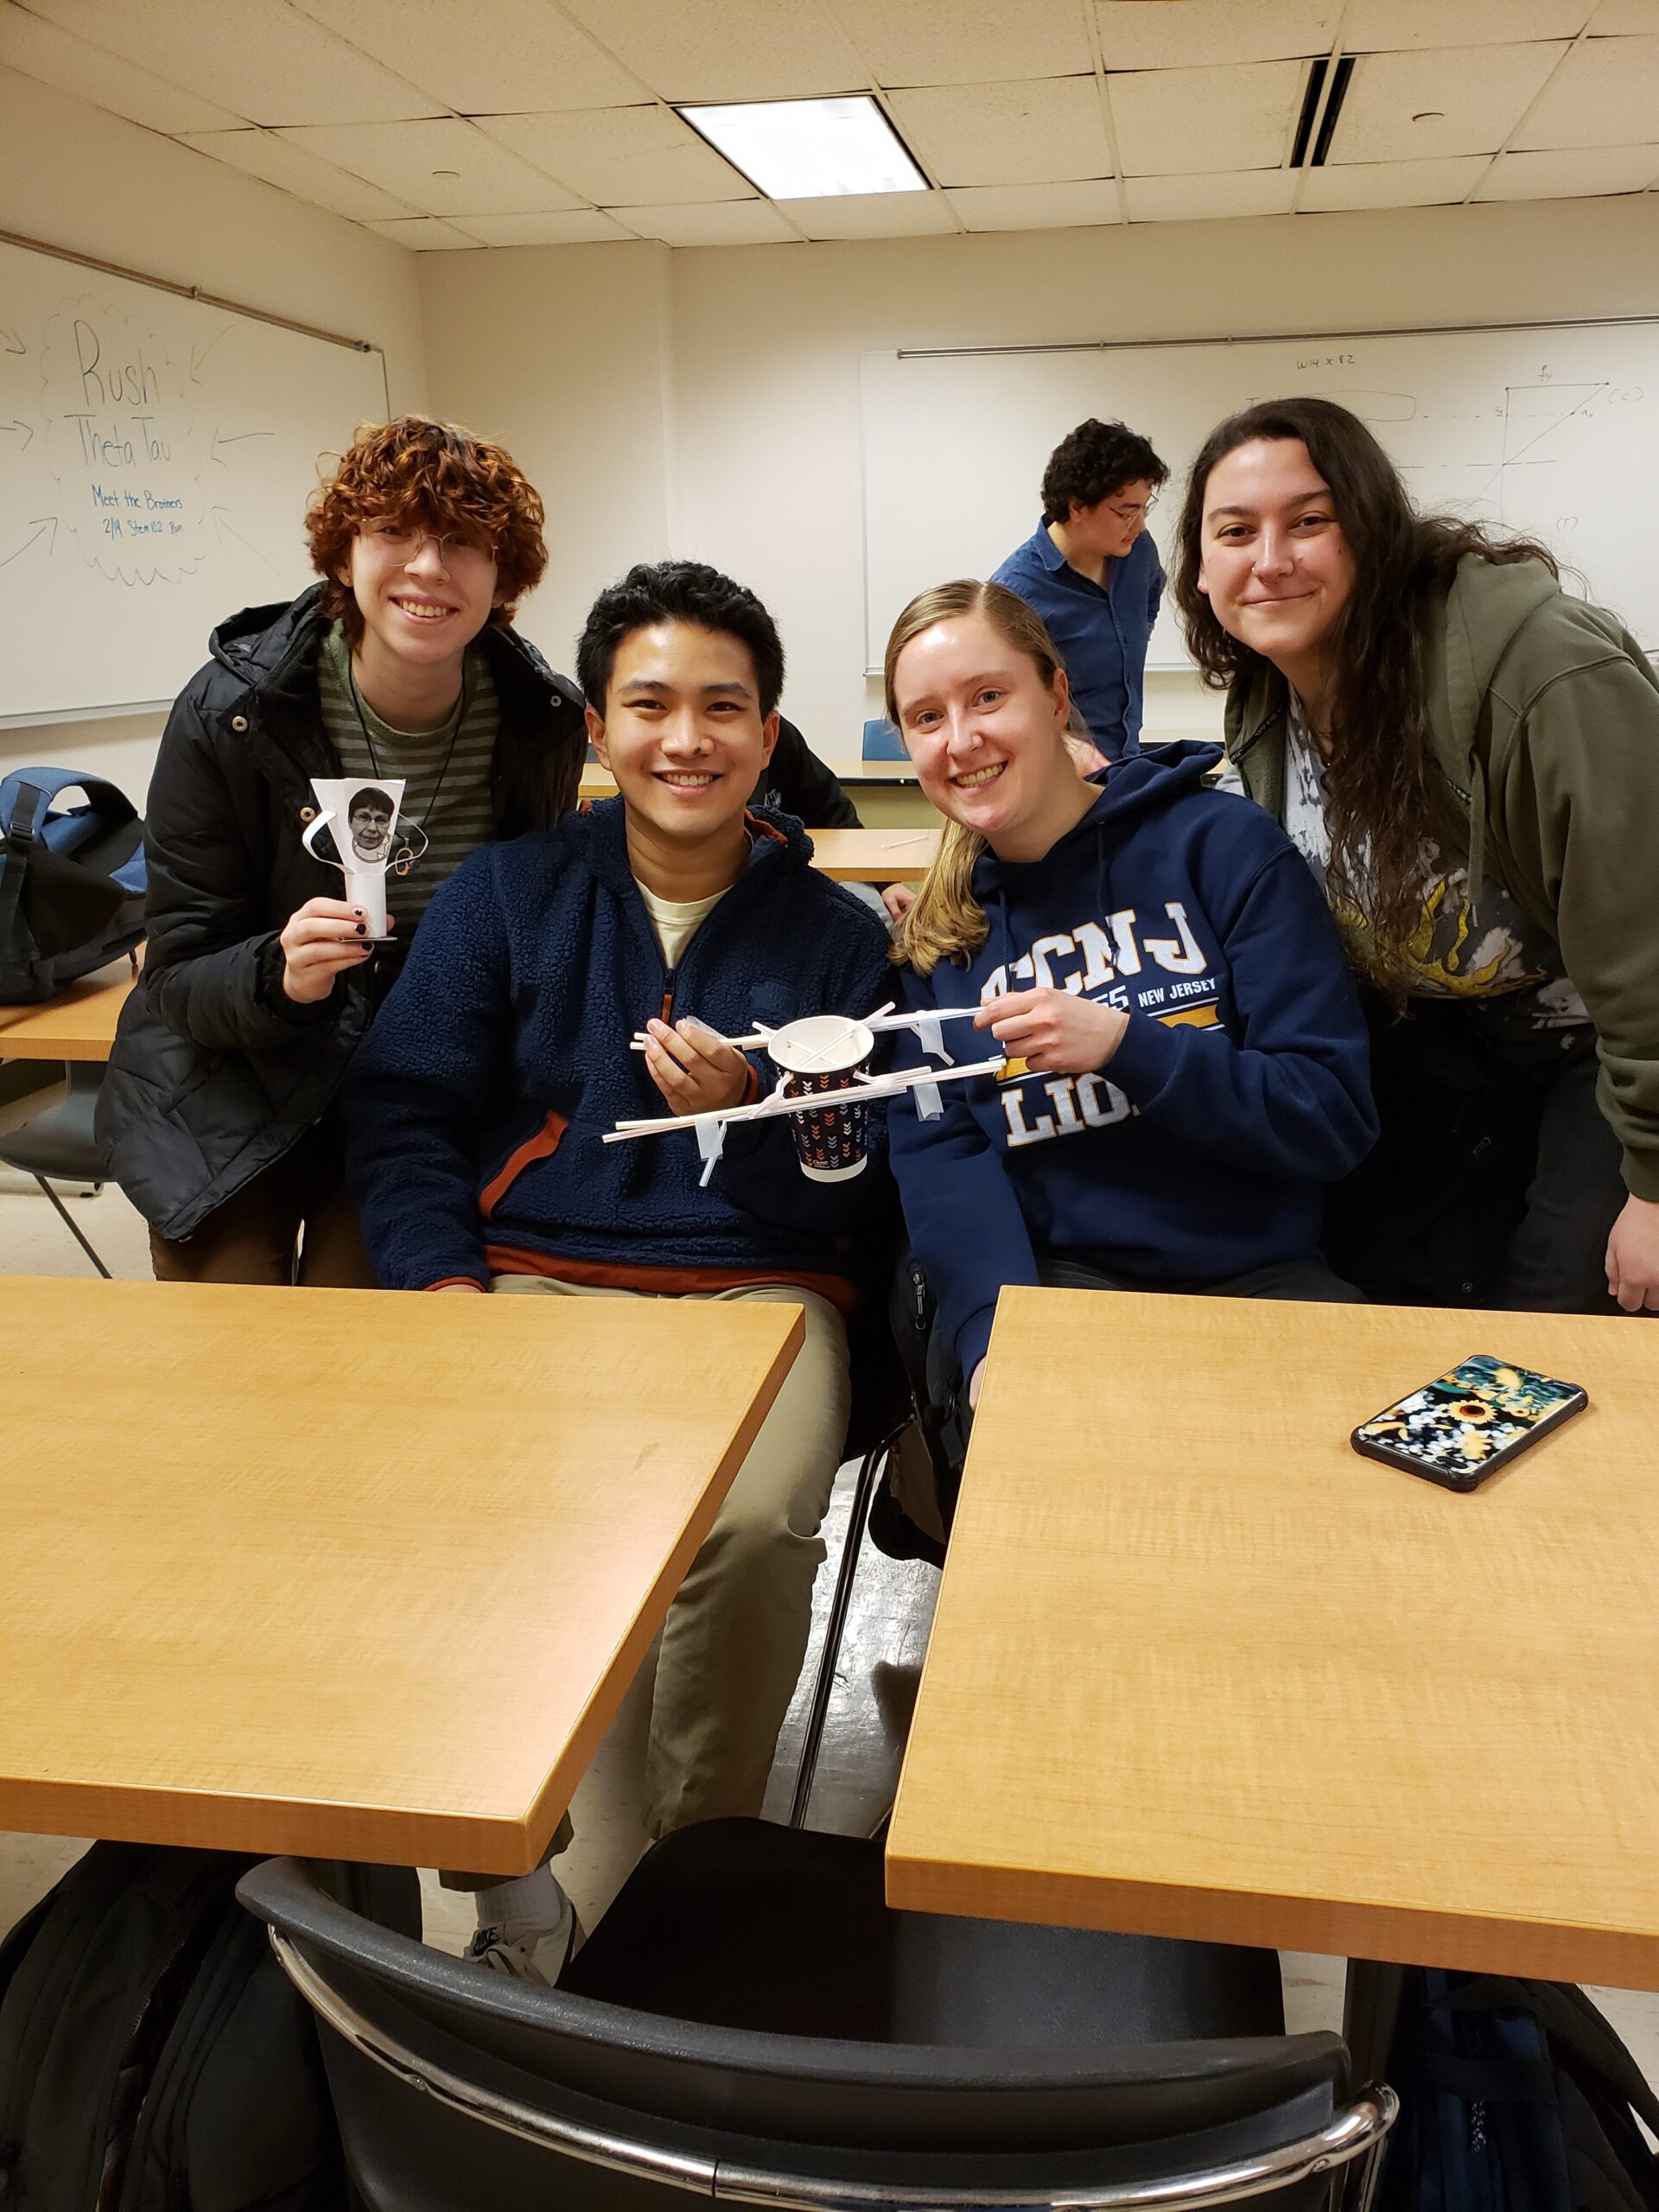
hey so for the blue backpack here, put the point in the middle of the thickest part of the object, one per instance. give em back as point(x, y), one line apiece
point(72, 881)
point(1514, 2096)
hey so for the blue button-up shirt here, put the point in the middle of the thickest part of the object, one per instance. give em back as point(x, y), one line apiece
point(1102, 632)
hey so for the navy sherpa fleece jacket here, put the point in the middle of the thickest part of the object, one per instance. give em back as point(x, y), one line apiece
point(475, 1109)
point(1240, 1085)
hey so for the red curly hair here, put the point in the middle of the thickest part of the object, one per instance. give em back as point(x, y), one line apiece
point(426, 475)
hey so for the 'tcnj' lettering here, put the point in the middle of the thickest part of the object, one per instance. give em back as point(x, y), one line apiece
point(1086, 957)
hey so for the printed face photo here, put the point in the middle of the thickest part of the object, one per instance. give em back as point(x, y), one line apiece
point(370, 816)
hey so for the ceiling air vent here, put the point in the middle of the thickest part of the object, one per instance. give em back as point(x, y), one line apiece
point(1320, 111)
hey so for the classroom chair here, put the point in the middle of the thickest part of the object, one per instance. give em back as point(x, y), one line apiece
point(57, 1142)
point(882, 742)
point(750, 2024)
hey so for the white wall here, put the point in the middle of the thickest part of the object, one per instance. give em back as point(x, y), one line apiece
point(565, 355)
point(555, 351)
point(73, 175)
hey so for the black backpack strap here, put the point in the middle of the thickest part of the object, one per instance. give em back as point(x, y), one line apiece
point(19, 828)
point(1569, 2018)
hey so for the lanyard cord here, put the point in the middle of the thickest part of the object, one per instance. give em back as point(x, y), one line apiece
point(407, 857)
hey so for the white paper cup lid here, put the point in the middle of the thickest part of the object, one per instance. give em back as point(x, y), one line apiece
point(821, 1043)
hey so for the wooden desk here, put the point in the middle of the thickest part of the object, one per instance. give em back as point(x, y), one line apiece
point(347, 1573)
point(896, 855)
point(78, 1023)
point(1198, 1669)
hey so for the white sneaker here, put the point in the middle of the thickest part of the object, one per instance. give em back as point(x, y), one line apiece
point(529, 1951)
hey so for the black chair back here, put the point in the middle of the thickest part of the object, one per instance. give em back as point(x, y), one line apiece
point(456, 2088)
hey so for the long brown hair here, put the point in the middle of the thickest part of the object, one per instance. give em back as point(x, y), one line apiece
point(946, 922)
point(1384, 795)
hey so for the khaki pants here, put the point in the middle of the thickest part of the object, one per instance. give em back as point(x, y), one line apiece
point(735, 1636)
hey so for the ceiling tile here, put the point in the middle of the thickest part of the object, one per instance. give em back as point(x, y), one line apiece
point(1464, 99)
point(1390, 184)
point(967, 42)
point(1176, 121)
point(1152, 35)
point(723, 50)
point(1392, 26)
point(1036, 207)
point(1624, 18)
point(578, 226)
point(1039, 130)
point(427, 235)
point(259, 58)
point(55, 56)
point(1196, 199)
point(720, 222)
point(872, 215)
point(1579, 174)
point(511, 54)
point(443, 167)
point(276, 161)
point(1605, 93)
point(622, 156)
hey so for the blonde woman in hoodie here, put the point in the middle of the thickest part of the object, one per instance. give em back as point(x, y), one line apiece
point(1468, 758)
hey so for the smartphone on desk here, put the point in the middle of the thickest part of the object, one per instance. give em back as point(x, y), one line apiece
point(1468, 1422)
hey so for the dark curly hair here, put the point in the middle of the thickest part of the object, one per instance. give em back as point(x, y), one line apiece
point(677, 591)
point(1095, 460)
point(1383, 796)
point(426, 475)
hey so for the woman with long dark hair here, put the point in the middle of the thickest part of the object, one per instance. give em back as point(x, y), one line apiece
point(1468, 758)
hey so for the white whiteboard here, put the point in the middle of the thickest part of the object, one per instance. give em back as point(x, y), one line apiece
point(1552, 432)
point(155, 457)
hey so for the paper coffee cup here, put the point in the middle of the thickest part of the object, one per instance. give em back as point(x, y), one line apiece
point(367, 888)
point(822, 1054)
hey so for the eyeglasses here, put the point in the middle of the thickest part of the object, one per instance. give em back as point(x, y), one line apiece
point(1134, 512)
point(400, 544)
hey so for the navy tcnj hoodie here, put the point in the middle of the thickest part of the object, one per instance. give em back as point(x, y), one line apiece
point(475, 1109)
point(1240, 1085)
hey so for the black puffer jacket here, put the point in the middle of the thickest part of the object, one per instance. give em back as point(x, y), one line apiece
point(215, 1073)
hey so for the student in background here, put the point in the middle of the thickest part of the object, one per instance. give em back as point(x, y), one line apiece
point(1468, 760)
point(217, 1116)
point(477, 1109)
point(1187, 1051)
point(1091, 570)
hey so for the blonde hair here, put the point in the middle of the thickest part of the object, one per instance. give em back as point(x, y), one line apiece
point(946, 922)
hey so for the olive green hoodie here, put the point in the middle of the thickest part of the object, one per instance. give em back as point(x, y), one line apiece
point(1545, 719)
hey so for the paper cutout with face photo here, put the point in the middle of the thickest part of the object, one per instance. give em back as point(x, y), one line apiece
point(361, 820)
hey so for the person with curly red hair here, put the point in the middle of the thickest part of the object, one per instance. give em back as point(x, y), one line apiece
point(217, 1117)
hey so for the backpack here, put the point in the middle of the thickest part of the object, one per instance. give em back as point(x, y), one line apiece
point(1516, 2096)
point(154, 2057)
point(72, 881)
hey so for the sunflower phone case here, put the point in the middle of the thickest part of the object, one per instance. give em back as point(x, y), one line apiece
point(1468, 1422)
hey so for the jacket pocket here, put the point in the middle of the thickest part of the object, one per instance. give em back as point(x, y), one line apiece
point(545, 1143)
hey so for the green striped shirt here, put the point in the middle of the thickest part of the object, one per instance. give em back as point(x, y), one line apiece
point(462, 817)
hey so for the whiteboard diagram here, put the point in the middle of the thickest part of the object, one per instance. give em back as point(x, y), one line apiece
point(1550, 434)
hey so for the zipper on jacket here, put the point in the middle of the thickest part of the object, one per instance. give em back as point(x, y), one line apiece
point(667, 1013)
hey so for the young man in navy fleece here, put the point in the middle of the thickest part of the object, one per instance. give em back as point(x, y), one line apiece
point(478, 1106)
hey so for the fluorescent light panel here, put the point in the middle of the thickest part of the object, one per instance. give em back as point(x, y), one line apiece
point(811, 150)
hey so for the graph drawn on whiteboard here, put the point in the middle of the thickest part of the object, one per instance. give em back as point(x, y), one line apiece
point(1547, 435)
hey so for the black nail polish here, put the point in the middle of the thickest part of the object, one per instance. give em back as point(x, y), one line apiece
point(362, 929)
